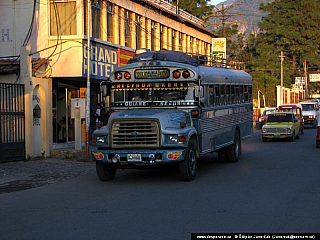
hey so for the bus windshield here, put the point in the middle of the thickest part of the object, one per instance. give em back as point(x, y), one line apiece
point(153, 94)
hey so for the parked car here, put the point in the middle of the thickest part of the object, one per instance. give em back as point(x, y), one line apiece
point(281, 125)
point(263, 118)
point(296, 108)
point(310, 113)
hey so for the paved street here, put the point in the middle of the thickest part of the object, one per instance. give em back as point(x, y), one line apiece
point(273, 188)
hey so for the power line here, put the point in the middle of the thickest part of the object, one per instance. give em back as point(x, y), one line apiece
point(223, 16)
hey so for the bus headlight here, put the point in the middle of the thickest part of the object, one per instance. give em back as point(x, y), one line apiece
point(101, 139)
point(173, 138)
point(177, 139)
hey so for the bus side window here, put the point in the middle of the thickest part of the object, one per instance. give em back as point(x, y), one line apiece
point(250, 93)
point(241, 93)
point(211, 95)
point(227, 94)
point(237, 97)
point(217, 94)
point(206, 95)
point(222, 94)
point(232, 97)
point(246, 93)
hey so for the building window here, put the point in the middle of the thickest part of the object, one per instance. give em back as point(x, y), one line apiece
point(172, 40)
point(161, 37)
point(153, 37)
point(138, 31)
point(110, 13)
point(127, 32)
point(197, 46)
point(63, 18)
point(96, 18)
point(180, 41)
point(191, 44)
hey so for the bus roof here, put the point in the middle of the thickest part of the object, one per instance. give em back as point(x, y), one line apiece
point(225, 75)
point(165, 55)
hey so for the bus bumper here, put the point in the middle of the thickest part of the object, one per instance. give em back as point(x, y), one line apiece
point(142, 157)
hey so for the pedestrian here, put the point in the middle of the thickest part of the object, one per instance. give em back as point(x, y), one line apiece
point(97, 116)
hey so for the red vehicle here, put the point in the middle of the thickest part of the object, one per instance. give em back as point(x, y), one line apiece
point(295, 108)
point(264, 116)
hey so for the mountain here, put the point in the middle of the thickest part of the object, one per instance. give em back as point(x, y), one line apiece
point(252, 15)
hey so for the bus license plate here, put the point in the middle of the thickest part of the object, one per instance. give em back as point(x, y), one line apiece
point(277, 135)
point(133, 157)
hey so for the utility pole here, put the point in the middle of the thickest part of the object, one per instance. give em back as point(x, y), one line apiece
point(281, 78)
point(88, 77)
point(223, 16)
point(306, 77)
point(177, 10)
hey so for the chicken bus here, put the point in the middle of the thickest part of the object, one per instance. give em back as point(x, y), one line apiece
point(168, 108)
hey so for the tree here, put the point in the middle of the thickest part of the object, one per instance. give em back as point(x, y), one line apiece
point(198, 8)
point(293, 27)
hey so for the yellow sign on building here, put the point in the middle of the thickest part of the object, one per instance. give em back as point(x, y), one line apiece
point(219, 49)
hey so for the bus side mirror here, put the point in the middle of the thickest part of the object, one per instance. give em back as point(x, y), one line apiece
point(199, 91)
point(104, 90)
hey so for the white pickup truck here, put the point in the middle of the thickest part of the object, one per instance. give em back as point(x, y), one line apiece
point(310, 113)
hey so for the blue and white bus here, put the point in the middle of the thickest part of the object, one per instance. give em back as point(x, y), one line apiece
point(168, 108)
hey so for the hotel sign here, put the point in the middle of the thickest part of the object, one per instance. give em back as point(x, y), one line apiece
point(103, 60)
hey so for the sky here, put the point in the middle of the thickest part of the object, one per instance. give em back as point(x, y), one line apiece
point(216, 2)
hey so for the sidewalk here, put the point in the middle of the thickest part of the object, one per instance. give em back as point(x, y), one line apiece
point(65, 163)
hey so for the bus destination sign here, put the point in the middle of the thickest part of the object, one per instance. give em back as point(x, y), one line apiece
point(152, 73)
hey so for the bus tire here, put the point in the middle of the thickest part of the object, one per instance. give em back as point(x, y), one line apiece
point(106, 171)
point(222, 155)
point(188, 166)
point(234, 150)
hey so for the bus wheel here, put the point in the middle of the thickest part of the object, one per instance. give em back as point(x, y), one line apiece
point(106, 171)
point(188, 166)
point(222, 155)
point(234, 150)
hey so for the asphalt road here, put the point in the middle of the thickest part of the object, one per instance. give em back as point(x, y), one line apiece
point(274, 188)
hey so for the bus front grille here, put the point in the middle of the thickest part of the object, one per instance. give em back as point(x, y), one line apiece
point(135, 133)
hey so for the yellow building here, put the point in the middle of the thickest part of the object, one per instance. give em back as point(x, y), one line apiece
point(48, 38)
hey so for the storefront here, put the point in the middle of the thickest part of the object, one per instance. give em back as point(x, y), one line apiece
point(104, 59)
